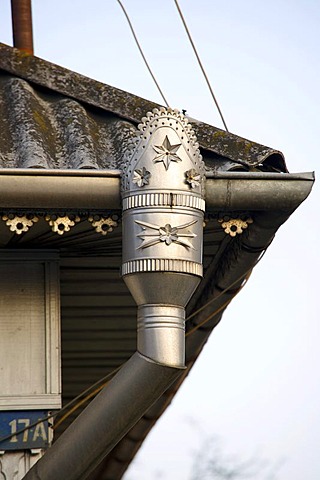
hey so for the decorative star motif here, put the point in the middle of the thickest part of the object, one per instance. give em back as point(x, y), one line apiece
point(141, 177)
point(193, 178)
point(167, 153)
point(153, 234)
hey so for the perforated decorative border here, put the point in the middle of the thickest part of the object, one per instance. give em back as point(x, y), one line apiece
point(153, 120)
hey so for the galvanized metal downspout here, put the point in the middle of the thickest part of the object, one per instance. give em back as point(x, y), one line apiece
point(105, 421)
point(163, 207)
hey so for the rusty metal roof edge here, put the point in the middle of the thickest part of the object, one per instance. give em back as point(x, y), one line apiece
point(129, 106)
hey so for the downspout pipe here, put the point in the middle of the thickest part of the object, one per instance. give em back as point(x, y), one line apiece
point(105, 421)
point(163, 208)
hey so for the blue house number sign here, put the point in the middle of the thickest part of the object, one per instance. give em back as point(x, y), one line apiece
point(15, 432)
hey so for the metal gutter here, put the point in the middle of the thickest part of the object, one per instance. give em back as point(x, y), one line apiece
point(100, 190)
point(260, 175)
point(83, 172)
point(60, 189)
point(257, 191)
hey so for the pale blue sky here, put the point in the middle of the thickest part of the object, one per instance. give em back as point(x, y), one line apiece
point(257, 383)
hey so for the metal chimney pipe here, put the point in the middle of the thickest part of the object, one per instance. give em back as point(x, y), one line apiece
point(22, 25)
point(163, 203)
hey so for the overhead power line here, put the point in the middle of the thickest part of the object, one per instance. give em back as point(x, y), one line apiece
point(142, 54)
point(200, 64)
point(194, 49)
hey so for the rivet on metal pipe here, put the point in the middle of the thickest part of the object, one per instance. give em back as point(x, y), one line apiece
point(163, 205)
point(22, 25)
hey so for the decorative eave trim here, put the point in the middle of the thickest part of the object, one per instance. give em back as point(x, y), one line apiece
point(59, 223)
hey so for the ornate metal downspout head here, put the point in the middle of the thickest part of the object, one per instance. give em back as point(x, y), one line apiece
point(163, 205)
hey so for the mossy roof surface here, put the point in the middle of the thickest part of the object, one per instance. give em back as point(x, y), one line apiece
point(51, 117)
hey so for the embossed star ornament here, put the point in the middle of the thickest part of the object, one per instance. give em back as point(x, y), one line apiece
point(167, 153)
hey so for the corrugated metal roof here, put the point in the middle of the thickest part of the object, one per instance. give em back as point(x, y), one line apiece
point(41, 130)
point(53, 118)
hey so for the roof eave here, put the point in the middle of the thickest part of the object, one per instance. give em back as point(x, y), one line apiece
point(130, 107)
